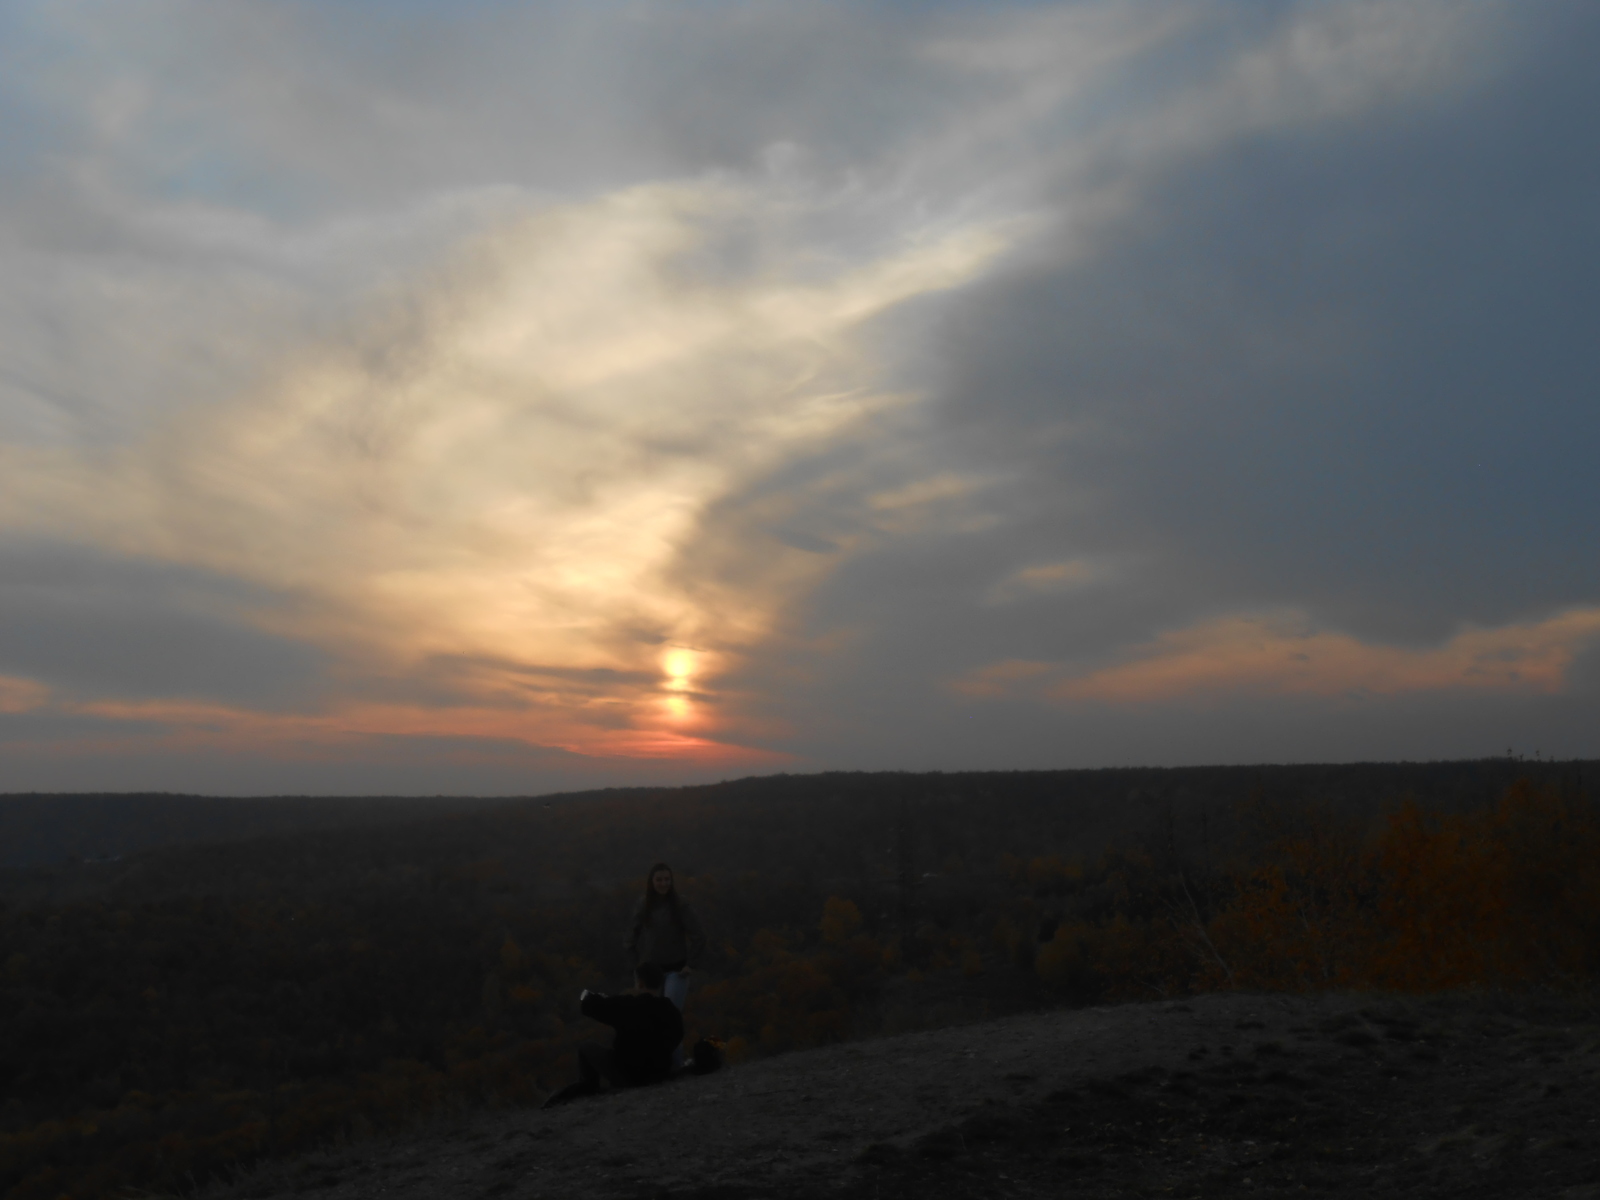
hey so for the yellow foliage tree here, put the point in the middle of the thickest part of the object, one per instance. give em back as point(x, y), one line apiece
point(1498, 897)
point(1307, 919)
point(1504, 896)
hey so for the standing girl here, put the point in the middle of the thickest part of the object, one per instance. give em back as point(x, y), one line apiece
point(666, 932)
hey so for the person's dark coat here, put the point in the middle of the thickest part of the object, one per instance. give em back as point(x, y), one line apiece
point(655, 936)
point(649, 1028)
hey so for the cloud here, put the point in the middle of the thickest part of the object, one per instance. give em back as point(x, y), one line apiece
point(1283, 656)
point(21, 695)
point(662, 380)
point(86, 623)
point(1318, 365)
point(503, 464)
point(1043, 579)
point(74, 752)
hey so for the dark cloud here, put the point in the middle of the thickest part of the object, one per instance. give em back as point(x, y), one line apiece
point(1350, 369)
point(92, 624)
point(309, 106)
point(1344, 370)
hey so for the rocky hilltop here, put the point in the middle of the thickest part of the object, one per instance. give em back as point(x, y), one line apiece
point(1222, 1095)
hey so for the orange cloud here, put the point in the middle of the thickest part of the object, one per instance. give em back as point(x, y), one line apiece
point(195, 725)
point(191, 725)
point(1263, 655)
point(21, 695)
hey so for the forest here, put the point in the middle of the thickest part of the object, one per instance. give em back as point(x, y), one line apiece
point(189, 1009)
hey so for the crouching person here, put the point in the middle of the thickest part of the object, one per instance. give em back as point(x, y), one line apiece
point(649, 1028)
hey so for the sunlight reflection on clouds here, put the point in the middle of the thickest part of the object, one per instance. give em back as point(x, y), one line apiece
point(508, 464)
point(1283, 655)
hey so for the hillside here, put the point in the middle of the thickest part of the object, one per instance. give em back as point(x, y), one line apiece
point(1219, 1095)
point(195, 1008)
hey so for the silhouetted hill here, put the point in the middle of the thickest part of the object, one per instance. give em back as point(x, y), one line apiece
point(1219, 1097)
point(808, 827)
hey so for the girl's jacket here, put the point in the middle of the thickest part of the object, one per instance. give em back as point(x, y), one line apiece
point(659, 940)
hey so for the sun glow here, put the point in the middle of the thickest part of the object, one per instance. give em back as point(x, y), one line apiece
point(679, 664)
point(679, 667)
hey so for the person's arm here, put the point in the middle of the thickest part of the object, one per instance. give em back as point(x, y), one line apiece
point(630, 941)
point(599, 1006)
point(694, 934)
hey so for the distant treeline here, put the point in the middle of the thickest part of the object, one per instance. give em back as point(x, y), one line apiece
point(156, 845)
point(43, 829)
point(194, 1009)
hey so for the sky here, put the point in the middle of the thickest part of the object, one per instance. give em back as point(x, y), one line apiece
point(480, 397)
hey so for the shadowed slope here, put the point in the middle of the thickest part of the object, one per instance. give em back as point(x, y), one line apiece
point(1333, 1095)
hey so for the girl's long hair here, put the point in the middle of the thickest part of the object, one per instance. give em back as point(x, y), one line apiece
point(652, 898)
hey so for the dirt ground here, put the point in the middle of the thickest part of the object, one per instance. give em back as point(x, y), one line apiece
point(1222, 1095)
